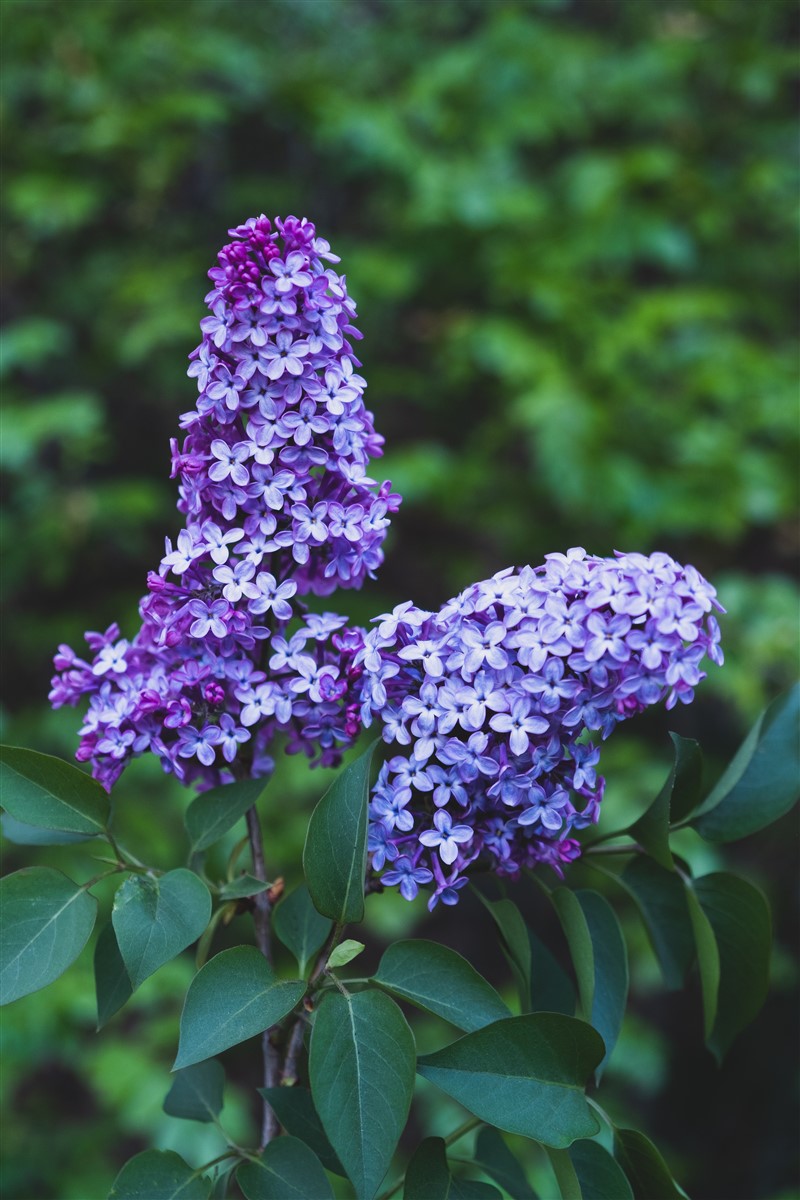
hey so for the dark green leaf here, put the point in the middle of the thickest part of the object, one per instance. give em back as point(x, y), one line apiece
point(524, 1074)
point(159, 1175)
point(740, 919)
point(45, 791)
point(427, 1174)
point(599, 1174)
point(552, 990)
point(494, 1156)
point(299, 926)
point(335, 853)
point(196, 1092)
point(33, 835)
point(232, 998)
point(661, 899)
point(569, 1186)
point(707, 960)
point(46, 922)
point(344, 953)
point(212, 813)
point(286, 1170)
point(678, 797)
point(242, 887)
point(511, 923)
point(601, 960)
point(649, 1175)
point(472, 1189)
point(761, 783)
point(112, 985)
point(154, 919)
point(294, 1108)
point(440, 981)
point(362, 1079)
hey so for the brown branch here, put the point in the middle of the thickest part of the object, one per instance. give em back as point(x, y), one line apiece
point(261, 919)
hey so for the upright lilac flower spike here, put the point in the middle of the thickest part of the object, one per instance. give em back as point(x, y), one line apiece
point(278, 503)
point(495, 697)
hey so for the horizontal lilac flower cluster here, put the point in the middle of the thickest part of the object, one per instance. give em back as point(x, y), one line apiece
point(495, 698)
point(278, 503)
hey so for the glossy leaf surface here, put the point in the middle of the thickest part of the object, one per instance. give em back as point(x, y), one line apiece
point(154, 919)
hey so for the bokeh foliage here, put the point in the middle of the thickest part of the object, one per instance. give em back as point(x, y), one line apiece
point(567, 228)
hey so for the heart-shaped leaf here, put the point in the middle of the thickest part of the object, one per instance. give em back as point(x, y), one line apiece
point(232, 998)
point(154, 919)
point(111, 981)
point(159, 1175)
point(286, 1170)
point(299, 926)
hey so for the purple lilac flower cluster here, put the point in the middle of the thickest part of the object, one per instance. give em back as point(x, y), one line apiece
point(273, 483)
point(495, 698)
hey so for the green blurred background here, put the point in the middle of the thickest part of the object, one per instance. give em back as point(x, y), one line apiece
point(568, 225)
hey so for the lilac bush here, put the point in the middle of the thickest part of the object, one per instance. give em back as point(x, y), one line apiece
point(273, 484)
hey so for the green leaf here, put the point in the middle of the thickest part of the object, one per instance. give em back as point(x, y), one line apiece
point(472, 1189)
point(242, 887)
point(661, 899)
point(739, 916)
point(299, 926)
point(427, 1174)
point(678, 797)
point(212, 813)
point(344, 953)
point(294, 1108)
point(232, 998)
point(46, 922)
point(196, 1092)
point(510, 922)
point(525, 1075)
point(32, 835)
point(707, 960)
point(286, 1170)
point(112, 985)
point(335, 853)
point(649, 1175)
point(601, 960)
point(552, 990)
point(761, 783)
point(159, 1175)
point(428, 1177)
point(494, 1157)
point(599, 1175)
point(154, 919)
point(569, 1186)
point(440, 981)
point(50, 793)
point(362, 1078)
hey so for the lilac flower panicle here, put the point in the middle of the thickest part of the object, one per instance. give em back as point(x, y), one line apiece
point(496, 700)
point(274, 486)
